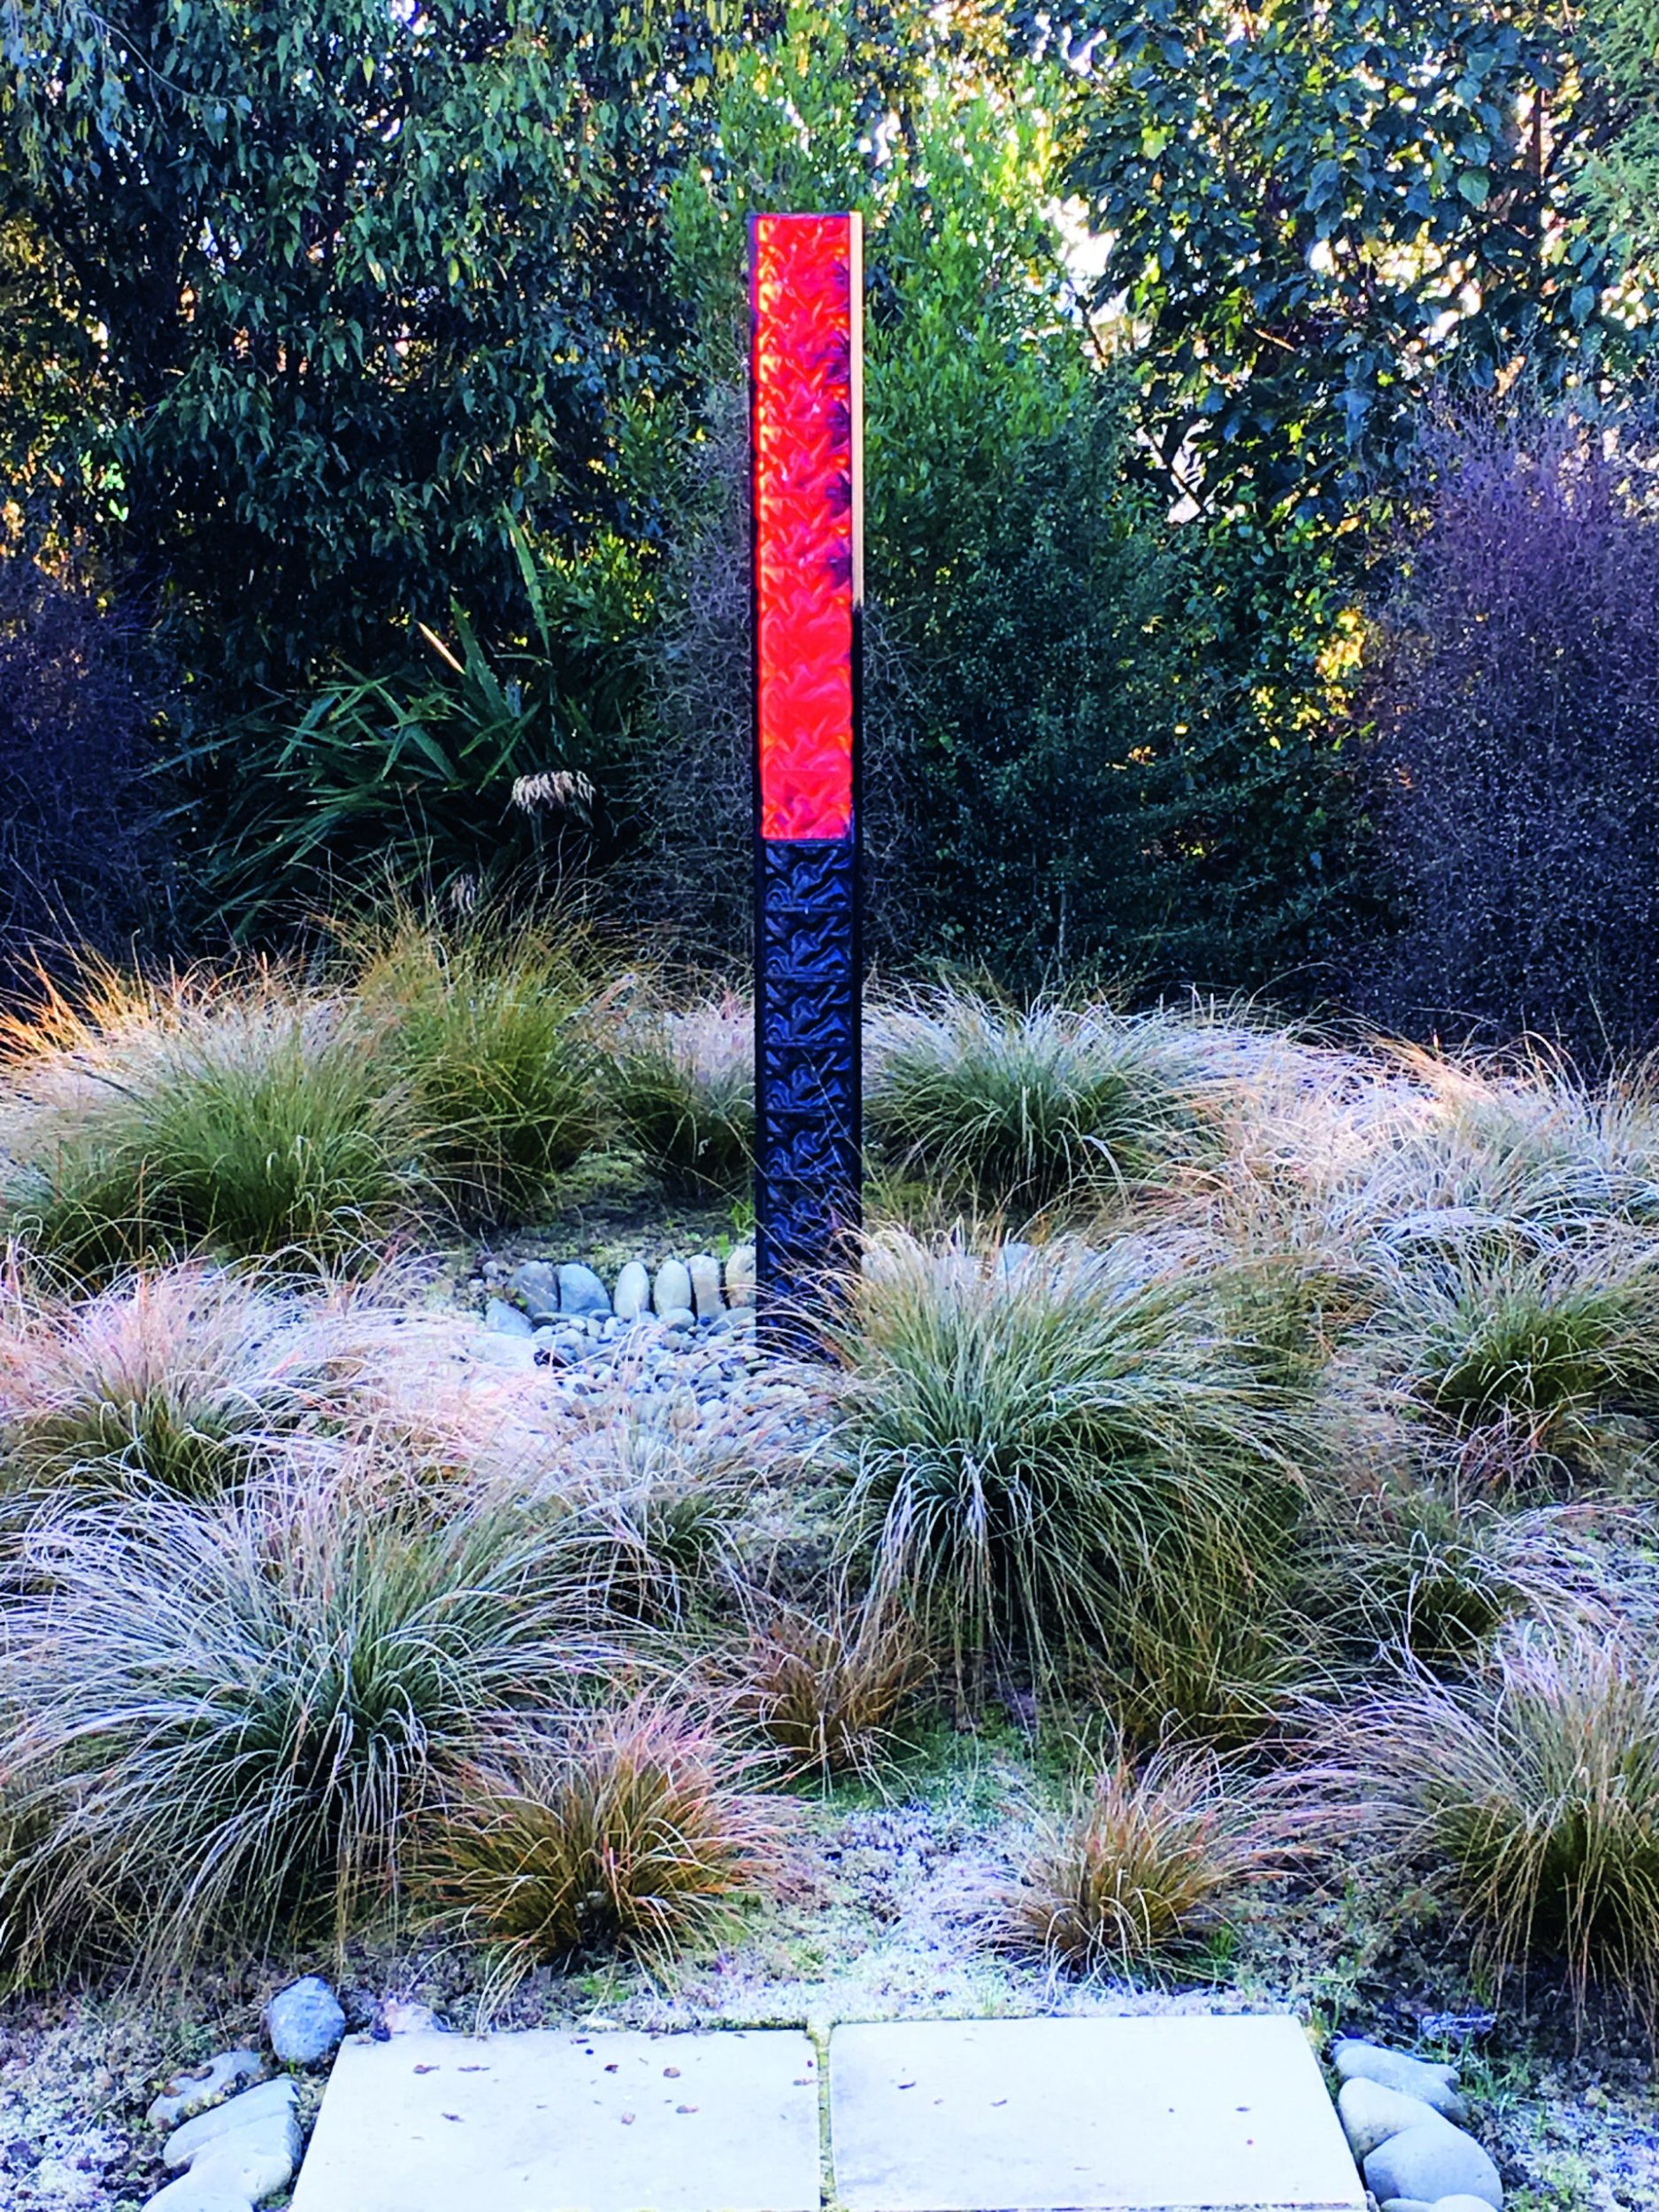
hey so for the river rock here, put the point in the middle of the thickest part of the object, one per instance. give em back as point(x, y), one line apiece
point(253, 2162)
point(1371, 2114)
point(1411, 2204)
point(704, 1270)
point(740, 1276)
point(1432, 2162)
point(1436, 2085)
point(507, 1320)
point(538, 1286)
point(678, 1318)
point(670, 1292)
point(271, 2100)
point(193, 2091)
point(580, 1290)
point(304, 2022)
point(204, 2192)
point(633, 1292)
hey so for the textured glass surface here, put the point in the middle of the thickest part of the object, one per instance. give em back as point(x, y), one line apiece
point(804, 273)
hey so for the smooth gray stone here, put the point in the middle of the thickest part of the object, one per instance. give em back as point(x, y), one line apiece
point(497, 1350)
point(633, 1292)
point(1436, 2085)
point(740, 1276)
point(678, 1318)
point(1415, 2204)
point(1432, 2162)
point(539, 1287)
point(253, 2161)
point(1370, 2113)
point(580, 1290)
point(506, 1320)
point(1461, 2204)
point(205, 2192)
point(704, 1270)
point(272, 2100)
point(671, 1290)
point(193, 2091)
point(304, 2022)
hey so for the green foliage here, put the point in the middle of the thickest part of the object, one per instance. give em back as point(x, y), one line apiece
point(483, 1026)
point(1536, 1360)
point(268, 1128)
point(479, 766)
point(340, 289)
point(681, 1085)
point(1019, 1110)
point(1064, 1464)
point(1313, 213)
point(225, 1718)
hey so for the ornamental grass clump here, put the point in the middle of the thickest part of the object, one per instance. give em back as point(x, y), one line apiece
point(183, 1380)
point(222, 1721)
point(1536, 1362)
point(1144, 1865)
point(625, 1829)
point(682, 1088)
point(830, 1689)
point(1067, 1463)
point(239, 1115)
point(1018, 1109)
point(1530, 1790)
point(487, 1027)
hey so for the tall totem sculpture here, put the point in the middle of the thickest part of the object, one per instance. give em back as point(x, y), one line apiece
point(806, 439)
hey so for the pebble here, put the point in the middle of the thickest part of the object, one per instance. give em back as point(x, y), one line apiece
point(678, 1318)
point(670, 1292)
point(1370, 2113)
point(633, 1292)
point(740, 1276)
point(1432, 2162)
point(704, 1270)
point(580, 1290)
point(1436, 2085)
point(539, 1287)
point(194, 2090)
point(304, 2022)
point(254, 2108)
point(507, 1320)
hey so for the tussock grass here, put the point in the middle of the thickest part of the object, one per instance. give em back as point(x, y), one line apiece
point(625, 1829)
point(1066, 1461)
point(1532, 1789)
point(1539, 1360)
point(222, 1721)
point(240, 1115)
point(184, 1379)
point(681, 1084)
point(829, 1689)
point(1019, 1110)
point(1144, 1865)
point(487, 1027)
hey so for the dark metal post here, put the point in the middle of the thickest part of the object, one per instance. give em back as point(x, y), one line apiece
point(806, 449)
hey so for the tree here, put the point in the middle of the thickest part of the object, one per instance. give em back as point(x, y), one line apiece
point(1312, 214)
point(327, 293)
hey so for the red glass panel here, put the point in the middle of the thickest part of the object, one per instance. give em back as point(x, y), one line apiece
point(804, 283)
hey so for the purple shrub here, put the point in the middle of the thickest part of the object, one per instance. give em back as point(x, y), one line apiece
point(78, 843)
point(1516, 707)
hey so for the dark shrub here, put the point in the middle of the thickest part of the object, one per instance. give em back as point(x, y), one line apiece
point(1516, 705)
point(79, 848)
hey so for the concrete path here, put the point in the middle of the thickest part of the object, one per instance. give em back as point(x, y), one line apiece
point(1142, 2114)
